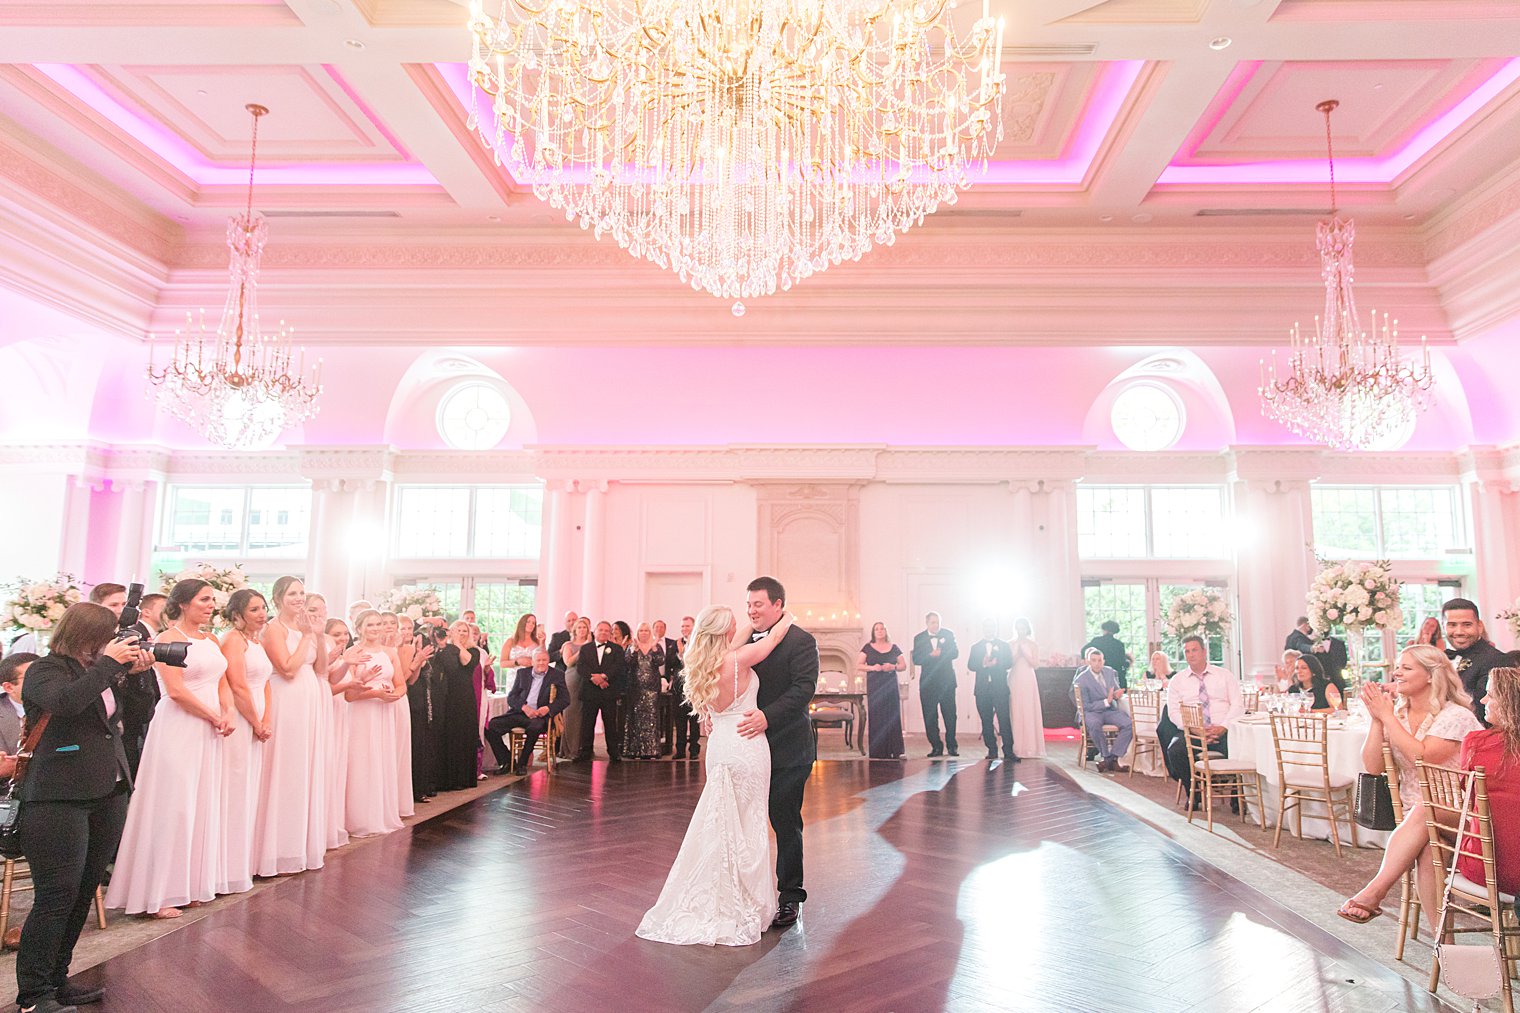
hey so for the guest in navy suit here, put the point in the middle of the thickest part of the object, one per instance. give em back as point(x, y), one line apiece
point(538, 694)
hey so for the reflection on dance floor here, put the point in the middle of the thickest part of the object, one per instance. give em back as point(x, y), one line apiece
point(932, 885)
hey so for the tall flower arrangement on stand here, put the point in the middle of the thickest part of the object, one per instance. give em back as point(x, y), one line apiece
point(1354, 596)
point(37, 605)
point(1202, 612)
point(1511, 617)
point(413, 601)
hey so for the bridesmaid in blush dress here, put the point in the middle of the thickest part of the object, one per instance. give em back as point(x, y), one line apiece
point(291, 833)
point(170, 850)
point(333, 677)
point(245, 699)
point(1027, 717)
point(373, 803)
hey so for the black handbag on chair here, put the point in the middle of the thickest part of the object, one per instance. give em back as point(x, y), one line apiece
point(1374, 802)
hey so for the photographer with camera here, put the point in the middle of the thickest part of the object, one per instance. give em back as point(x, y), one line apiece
point(171, 848)
point(74, 796)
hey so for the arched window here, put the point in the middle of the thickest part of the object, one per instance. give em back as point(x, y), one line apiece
point(473, 416)
point(1147, 416)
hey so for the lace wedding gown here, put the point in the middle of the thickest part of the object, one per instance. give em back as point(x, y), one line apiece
point(722, 888)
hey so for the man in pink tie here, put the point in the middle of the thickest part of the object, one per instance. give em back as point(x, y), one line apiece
point(1212, 688)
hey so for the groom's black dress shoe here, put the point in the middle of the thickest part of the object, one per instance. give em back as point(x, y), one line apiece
point(786, 915)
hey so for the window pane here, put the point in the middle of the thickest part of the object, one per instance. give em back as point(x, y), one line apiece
point(1168, 593)
point(205, 519)
point(1417, 523)
point(508, 522)
point(1418, 603)
point(498, 606)
point(1345, 523)
point(432, 521)
point(1187, 523)
point(279, 522)
point(1110, 522)
point(1125, 605)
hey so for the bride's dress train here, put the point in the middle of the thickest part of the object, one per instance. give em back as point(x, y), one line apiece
point(722, 888)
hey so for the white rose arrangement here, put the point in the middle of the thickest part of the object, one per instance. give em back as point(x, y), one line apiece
point(413, 601)
point(1354, 595)
point(1511, 617)
point(1202, 612)
point(223, 581)
point(37, 605)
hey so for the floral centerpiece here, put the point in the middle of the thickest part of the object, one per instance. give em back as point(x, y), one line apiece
point(1354, 595)
point(223, 581)
point(413, 601)
point(37, 605)
point(1201, 612)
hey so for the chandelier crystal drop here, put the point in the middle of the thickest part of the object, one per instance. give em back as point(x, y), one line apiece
point(236, 385)
point(744, 144)
point(1345, 386)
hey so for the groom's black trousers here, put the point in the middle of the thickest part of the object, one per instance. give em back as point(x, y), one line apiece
point(786, 819)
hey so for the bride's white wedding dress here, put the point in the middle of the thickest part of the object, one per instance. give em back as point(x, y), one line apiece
point(722, 888)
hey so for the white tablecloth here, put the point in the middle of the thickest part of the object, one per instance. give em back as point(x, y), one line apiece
point(491, 705)
point(1251, 739)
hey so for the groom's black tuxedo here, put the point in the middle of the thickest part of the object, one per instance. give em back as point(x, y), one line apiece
point(788, 679)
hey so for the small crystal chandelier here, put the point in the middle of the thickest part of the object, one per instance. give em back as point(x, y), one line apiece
point(744, 144)
point(1345, 387)
point(236, 386)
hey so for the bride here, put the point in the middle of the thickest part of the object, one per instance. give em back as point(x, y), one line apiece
point(722, 888)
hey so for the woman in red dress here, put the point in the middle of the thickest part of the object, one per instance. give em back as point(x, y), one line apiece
point(1497, 750)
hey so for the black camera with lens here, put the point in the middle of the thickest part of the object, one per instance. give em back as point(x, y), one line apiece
point(172, 654)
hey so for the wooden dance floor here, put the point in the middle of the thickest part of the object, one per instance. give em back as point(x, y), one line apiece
point(933, 886)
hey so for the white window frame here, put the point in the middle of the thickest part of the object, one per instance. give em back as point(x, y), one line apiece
point(163, 543)
point(518, 567)
point(1149, 517)
point(1459, 525)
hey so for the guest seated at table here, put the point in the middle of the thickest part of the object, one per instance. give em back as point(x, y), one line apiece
point(1497, 750)
point(1216, 691)
point(1099, 686)
point(1287, 670)
point(529, 708)
point(1429, 719)
point(1430, 633)
point(1309, 681)
point(1160, 671)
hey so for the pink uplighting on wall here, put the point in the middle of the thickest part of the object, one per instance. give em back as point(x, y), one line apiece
point(1115, 82)
point(1382, 170)
point(179, 154)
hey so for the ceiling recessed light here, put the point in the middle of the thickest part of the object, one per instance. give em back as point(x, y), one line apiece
point(493, 218)
point(353, 43)
point(1409, 218)
point(1141, 218)
point(1222, 42)
point(202, 92)
point(1105, 218)
point(1378, 86)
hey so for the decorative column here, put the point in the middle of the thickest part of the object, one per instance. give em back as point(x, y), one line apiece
point(349, 534)
point(594, 542)
point(1489, 487)
point(1058, 619)
point(73, 553)
point(555, 594)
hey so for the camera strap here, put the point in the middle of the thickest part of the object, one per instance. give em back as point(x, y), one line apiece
point(24, 757)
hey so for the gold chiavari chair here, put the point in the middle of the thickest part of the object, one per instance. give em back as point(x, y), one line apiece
point(1252, 697)
point(1302, 744)
point(1145, 709)
point(1442, 789)
point(1409, 897)
point(1215, 776)
point(1110, 732)
point(15, 866)
point(548, 742)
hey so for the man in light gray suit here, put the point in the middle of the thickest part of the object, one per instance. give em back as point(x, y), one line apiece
point(1099, 686)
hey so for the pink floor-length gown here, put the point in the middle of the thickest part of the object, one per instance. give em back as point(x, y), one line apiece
point(407, 806)
point(373, 804)
point(171, 847)
point(290, 834)
point(242, 774)
point(337, 766)
point(1027, 717)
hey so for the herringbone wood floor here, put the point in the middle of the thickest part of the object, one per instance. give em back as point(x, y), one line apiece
point(933, 886)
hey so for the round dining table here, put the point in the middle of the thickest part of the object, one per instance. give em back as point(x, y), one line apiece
point(1251, 740)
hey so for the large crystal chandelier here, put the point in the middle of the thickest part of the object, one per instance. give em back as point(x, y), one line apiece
point(1346, 387)
point(235, 386)
point(744, 144)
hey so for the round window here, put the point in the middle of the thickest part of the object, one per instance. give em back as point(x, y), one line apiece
point(1147, 416)
point(474, 416)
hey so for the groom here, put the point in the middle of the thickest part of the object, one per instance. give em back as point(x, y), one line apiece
point(787, 681)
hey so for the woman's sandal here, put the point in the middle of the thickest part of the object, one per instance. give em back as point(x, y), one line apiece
point(1346, 912)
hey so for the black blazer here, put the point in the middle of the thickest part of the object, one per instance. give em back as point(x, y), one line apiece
point(930, 667)
point(788, 680)
point(1298, 641)
point(556, 642)
point(80, 756)
point(554, 678)
point(138, 696)
point(997, 671)
point(673, 662)
point(614, 666)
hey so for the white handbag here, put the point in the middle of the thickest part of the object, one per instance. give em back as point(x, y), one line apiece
point(1473, 971)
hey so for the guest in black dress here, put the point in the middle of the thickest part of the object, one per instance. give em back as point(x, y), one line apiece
point(881, 660)
point(424, 695)
point(460, 737)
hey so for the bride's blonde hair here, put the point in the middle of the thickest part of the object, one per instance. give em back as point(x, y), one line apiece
point(710, 642)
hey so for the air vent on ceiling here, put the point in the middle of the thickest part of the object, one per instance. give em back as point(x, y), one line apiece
point(280, 213)
point(1260, 212)
point(1065, 49)
point(990, 213)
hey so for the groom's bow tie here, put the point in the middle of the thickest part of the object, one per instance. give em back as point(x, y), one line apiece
point(757, 635)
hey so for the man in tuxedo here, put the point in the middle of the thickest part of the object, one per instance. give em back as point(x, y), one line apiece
point(537, 695)
point(687, 726)
point(1471, 653)
point(559, 640)
point(138, 695)
point(934, 652)
point(1333, 658)
point(1300, 638)
point(788, 679)
point(989, 661)
point(603, 673)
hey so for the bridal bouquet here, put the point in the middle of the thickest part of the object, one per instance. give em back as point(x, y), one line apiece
point(1202, 612)
point(39, 604)
point(223, 581)
point(413, 601)
point(1354, 595)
